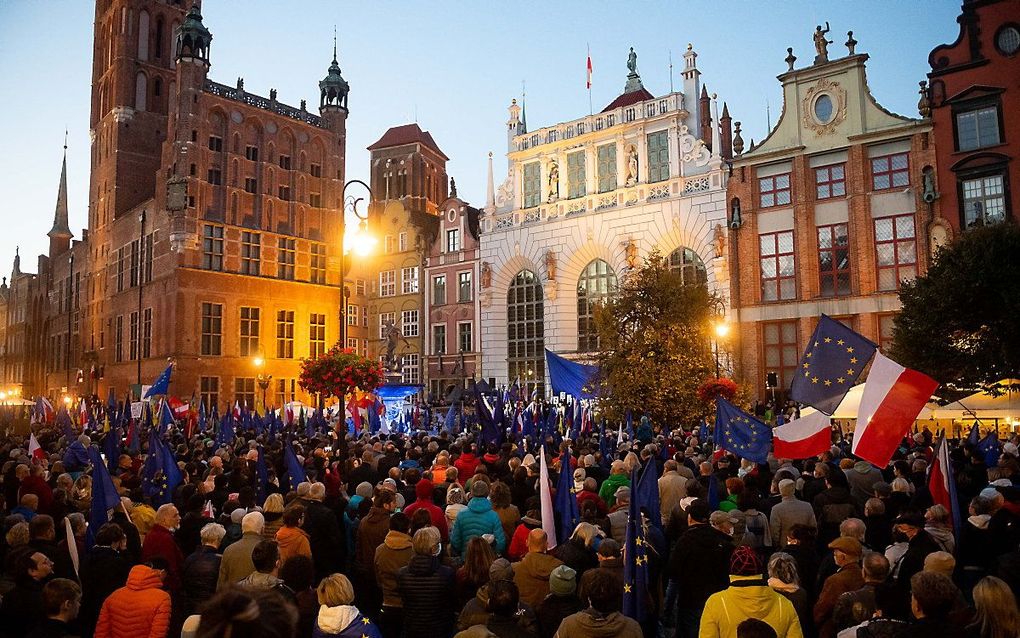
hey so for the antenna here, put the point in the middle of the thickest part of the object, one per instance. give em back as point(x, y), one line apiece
point(334, 43)
point(65, 138)
point(768, 115)
point(670, 53)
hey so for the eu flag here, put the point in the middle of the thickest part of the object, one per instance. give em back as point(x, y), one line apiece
point(104, 496)
point(162, 383)
point(261, 476)
point(294, 471)
point(741, 433)
point(566, 500)
point(832, 362)
point(635, 562)
point(646, 492)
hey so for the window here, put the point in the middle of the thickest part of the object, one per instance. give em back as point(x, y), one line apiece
point(833, 260)
point(316, 335)
point(352, 315)
point(1007, 40)
point(212, 247)
point(658, 156)
point(780, 353)
point(886, 331)
point(439, 290)
point(250, 318)
point(774, 190)
point(252, 153)
point(135, 264)
point(209, 388)
point(387, 283)
point(352, 344)
point(389, 244)
point(315, 170)
point(251, 252)
point(403, 242)
point(777, 266)
point(147, 333)
point(409, 280)
point(575, 175)
point(215, 143)
point(439, 339)
point(464, 287)
point(464, 341)
point(606, 155)
point(596, 285)
point(285, 162)
point(890, 171)
point(364, 316)
point(251, 185)
point(409, 323)
point(284, 334)
point(285, 391)
point(360, 287)
point(453, 240)
point(149, 241)
point(212, 329)
point(244, 391)
point(118, 339)
point(830, 181)
point(315, 200)
point(215, 176)
point(685, 262)
point(385, 319)
point(410, 372)
point(896, 250)
point(285, 257)
point(525, 330)
point(984, 201)
point(284, 192)
point(532, 185)
point(133, 336)
point(318, 263)
point(823, 108)
point(121, 257)
point(977, 128)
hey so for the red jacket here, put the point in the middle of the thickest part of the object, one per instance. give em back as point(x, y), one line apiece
point(584, 495)
point(139, 608)
point(36, 485)
point(423, 490)
point(159, 542)
point(466, 465)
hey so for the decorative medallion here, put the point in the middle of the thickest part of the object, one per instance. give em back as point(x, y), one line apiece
point(824, 107)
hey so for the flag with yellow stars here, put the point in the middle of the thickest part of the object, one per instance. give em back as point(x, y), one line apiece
point(635, 562)
point(832, 362)
point(741, 433)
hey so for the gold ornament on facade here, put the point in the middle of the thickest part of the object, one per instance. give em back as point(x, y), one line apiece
point(824, 107)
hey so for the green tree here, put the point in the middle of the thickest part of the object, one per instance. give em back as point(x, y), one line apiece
point(654, 340)
point(960, 322)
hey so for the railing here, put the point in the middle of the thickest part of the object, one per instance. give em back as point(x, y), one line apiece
point(259, 102)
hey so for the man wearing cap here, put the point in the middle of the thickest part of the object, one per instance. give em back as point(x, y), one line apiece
point(561, 602)
point(910, 525)
point(748, 596)
point(617, 478)
point(846, 551)
point(699, 566)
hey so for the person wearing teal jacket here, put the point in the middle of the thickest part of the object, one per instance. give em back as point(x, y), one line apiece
point(478, 519)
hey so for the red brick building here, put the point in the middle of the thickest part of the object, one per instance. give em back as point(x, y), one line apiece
point(974, 99)
point(828, 215)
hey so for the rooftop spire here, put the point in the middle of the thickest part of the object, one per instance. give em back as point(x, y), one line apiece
point(334, 45)
point(60, 225)
point(17, 262)
point(333, 89)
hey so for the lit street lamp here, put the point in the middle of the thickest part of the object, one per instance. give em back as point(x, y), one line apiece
point(362, 246)
point(722, 328)
point(262, 379)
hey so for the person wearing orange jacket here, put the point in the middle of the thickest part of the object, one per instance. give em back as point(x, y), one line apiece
point(138, 609)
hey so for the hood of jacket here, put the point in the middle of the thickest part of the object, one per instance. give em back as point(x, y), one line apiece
point(144, 577)
point(289, 536)
point(480, 505)
point(422, 565)
point(540, 565)
point(752, 597)
point(490, 458)
point(333, 620)
point(423, 490)
point(596, 625)
point(397, 540)
point(979, 521)
point(863, 467)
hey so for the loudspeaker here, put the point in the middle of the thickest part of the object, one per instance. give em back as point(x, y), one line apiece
point(771, 380)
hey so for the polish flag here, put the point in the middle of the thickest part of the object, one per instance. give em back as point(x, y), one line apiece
point(802, 438)
point(893, 397)
point(589, 70)
point(546, 500)
point(34, 449)
point(942, 484)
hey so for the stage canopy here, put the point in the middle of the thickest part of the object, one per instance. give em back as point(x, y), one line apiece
point(851, 403)
point(1003, 403)
point(569, 376)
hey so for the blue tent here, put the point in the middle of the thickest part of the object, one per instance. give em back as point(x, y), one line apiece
point(568, 376)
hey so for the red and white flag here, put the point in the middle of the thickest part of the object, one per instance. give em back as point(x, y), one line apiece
point(34, 449)
point(893, 397)
point(546, 500)
point(589, 70)
point(942, 483)
point(802, 438)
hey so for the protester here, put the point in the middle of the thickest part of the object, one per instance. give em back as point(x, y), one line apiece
point(531, 574)
point(337, 614)
point(61, 601)
point(561, 602)
point(748, 596)
point(139, 608)
point(236, 562)
point(602, 617)
point(104, 569)
point(424, 586)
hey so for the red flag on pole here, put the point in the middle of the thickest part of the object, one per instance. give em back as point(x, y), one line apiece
point(589, 70)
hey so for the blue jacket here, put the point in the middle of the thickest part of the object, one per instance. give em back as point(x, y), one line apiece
point(476, 520)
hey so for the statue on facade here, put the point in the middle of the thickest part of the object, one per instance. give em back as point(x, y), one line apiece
point(632, 61)
point(391, 337)
point(554, 181)
point(550, 265)
point(821, 44)
point(486, 274)
point(632, 254)
point(632, 166)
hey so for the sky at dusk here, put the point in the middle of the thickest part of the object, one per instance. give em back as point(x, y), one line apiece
point(452, 66)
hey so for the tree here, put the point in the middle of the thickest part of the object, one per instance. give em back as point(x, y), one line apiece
point(654, 339)
point(960, 322)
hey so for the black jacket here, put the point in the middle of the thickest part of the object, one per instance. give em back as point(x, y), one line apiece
point(553, 610)
point(21, 610)
point(425, 587)
point(134, 539)
point(912, 561)
point(327, 540)
point(52, 628)
point(577, 557)
point(189, 533)
point(103, 570)
point(700, 565)
point(199, 576)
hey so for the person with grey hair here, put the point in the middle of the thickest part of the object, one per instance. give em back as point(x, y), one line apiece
point(329, 546)
point(672, 488)
point(66, 566)
point(236, 563)
point(202, 568)
point(854, 607)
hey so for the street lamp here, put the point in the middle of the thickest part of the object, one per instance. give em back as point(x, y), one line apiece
point(362, 246)
point(262, 378)
point(722, 328)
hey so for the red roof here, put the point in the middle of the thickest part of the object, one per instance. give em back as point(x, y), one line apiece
point(407, 134)
point(630, 98)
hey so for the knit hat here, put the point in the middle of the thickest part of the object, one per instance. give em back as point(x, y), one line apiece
point(562, 581)
point(479, 489)
point(745, 562)
point(364, 489)
point(500, 569)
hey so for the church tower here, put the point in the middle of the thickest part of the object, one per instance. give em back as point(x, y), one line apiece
point(60, 235)
point(333, 93)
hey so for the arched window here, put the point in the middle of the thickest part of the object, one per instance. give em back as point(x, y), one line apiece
point(159, 37)
point(686, 263)
point(596, 285)
point(525, 317)
point(141, 89)
point(143, 36)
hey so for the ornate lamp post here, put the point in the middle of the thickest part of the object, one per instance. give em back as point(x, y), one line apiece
point(362, 246)
point(722, 328)
point(262, 378)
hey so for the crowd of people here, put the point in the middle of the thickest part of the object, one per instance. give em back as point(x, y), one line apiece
point(418, 535)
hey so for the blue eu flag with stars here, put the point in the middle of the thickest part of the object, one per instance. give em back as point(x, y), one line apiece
point(832, 362)
point(741, 433)
point(635, 562)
